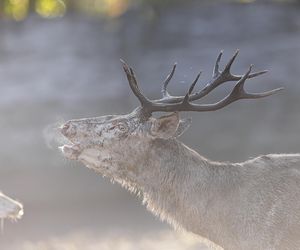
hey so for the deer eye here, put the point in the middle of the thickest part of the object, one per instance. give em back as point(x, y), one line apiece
point(122, 127)
point(112, 128)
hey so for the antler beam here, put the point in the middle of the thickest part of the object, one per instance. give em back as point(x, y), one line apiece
point(170, 103)
point(218, 78)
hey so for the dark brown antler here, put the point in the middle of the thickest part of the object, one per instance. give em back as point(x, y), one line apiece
point(170, 103)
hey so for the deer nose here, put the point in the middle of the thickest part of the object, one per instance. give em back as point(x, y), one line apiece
point(65, 128)
point(68, 130)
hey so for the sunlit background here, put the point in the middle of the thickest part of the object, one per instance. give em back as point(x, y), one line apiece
point(60, 60)
point(20, 9)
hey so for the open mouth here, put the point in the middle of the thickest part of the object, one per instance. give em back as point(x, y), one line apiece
point(71, 151)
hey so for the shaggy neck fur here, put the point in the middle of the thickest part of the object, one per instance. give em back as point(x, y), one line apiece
point(180, 186)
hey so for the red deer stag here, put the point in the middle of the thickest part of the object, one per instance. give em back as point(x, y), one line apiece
point(248, 205)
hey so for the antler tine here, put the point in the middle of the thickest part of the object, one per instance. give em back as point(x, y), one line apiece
point(237, 93)
point(133, 84)
point(216, 71)
point(219, 77)
point(242, 94)
point(194, 83)
point(231, 77)
point(183, 103)
point(222, 77)
point(164, 91)
point(191, 88)
point(255, 74)
point(227, 68)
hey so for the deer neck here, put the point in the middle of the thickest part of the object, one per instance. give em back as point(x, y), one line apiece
point(182, 187)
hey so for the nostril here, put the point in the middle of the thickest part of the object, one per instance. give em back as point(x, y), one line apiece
point(65, 127)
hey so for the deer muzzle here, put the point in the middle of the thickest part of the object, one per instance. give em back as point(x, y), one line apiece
point(71, 151)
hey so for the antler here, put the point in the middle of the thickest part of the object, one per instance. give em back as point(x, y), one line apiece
point(170, 103)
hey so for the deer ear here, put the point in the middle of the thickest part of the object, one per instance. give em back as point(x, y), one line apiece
point(184, 124)
point(165, 127)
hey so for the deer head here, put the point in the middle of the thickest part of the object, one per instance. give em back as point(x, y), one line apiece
point(115, 144)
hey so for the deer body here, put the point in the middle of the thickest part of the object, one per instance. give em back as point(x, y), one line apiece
point(248, 205)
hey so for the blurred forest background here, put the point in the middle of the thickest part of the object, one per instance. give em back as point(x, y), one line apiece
point(60, 60)
point(20, 9)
